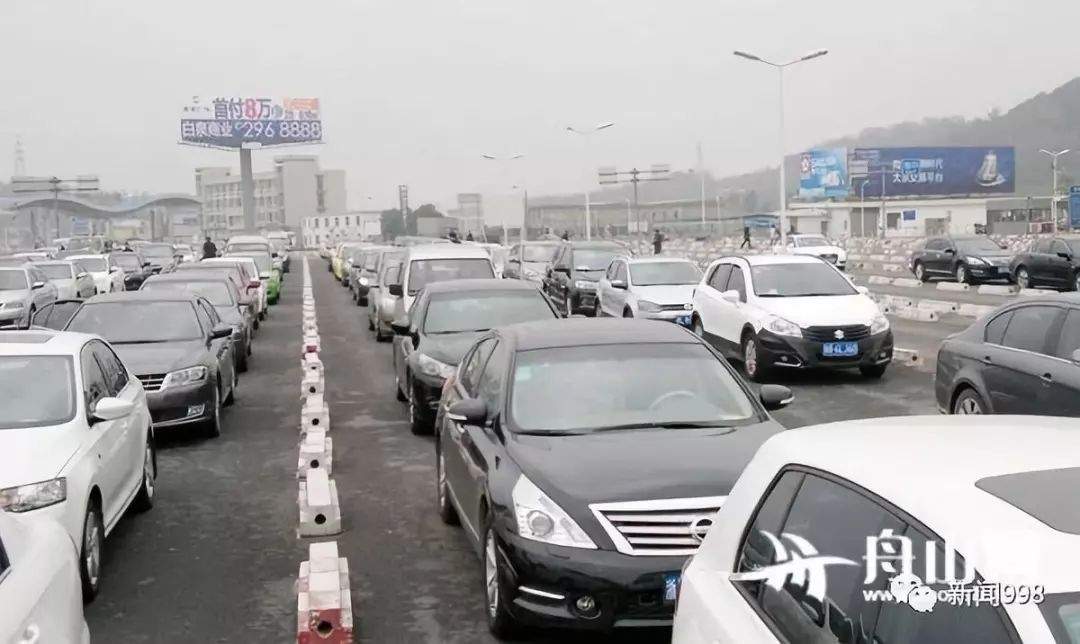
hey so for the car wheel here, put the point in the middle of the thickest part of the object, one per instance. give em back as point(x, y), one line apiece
point(400, 393)
point(418, 421)
point(500, 622)
point(213, 426)
point(90, 553)
point(755, 369)
point(144, 500)
point(627, 313)
point(1076, 282)
point(920, 272)
point(962, 276)
point(873, 371)
point(1023, 278)
point(968, 403)
point(379, 335)
point(370, 324)
point(442, 492)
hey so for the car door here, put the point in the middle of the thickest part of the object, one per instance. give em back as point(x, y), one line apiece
point(458, 476)
point(708, 300)
point(733, 315)
point(480, 446)
point(132, 426)
point(1039, 264)
point(106, 437)
point(620, 296)
point(1015, 372)
point(1060, 264)
point(220, 348)
point(560, 277)
point(1063, 399)
point(603, 289)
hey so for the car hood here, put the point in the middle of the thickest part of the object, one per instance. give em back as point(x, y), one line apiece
point(36, 453)
point(667, 293)
point(160, 357)
point(825, 310)
point(538, 267)
point(1000, 255)
point(64, 283)
point(14, 296)
point(818, 250)
point(448, 348)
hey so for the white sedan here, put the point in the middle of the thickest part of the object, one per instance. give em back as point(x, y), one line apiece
point(76, 444)
point(39, 583)
point(108, 277)
point(72, 283)
point(659, 288)
point(815, 246)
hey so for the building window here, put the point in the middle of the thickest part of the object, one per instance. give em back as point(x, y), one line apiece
point(326, 222)
point(346, 221)
point(316, 222)
point(337, 222)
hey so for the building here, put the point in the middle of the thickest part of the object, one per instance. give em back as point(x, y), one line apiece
point(333, 229)
point(295, 189)
point(679, 216)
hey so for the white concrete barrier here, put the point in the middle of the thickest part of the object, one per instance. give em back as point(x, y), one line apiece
point(320, 512)
point(312, 343)
point(311, 384)
point(906, 356)
point(311, 362)
point(997, 289)
point(907, 282)
point(953, 286)
point(1034, 292)
point(974, 310)
point(316, 452)
point(323, 598)
point(879, 279)
point(315, 413)
point(879, 258)
point(892, 268)
point(941, 306)
point(919, 315)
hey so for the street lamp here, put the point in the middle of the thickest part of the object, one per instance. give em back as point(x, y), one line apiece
point(587, 134)
point(1054, 174)
point(505, 160)
point(780, 68)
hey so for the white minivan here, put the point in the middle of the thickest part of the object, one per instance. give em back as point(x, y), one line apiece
point(432, 263)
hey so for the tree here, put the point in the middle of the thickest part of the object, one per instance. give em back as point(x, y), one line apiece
point(392, 225)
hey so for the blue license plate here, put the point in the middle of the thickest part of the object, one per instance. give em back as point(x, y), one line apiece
point(671, 587)
point(840, 349)
point(683, 320)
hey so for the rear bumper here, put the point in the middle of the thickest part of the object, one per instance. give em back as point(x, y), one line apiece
point(800, 353)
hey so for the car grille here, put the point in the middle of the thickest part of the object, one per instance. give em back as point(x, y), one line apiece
point(673, 307)
point(665, 527)
point(151, 382)
point(828, 333)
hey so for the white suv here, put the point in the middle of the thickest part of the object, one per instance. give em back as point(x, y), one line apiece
point(816, 246)
point(790, 311)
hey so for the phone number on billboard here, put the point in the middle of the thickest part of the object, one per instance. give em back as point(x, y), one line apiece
point(279, 129)
point(234, 133)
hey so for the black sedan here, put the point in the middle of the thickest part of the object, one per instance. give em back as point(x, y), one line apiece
point(135, 267)
point(441, 326)
point(1023, 358)
point(1052, 262)
point(967, 260)
point(176, 345)
point(572, 279)
point(585, 459)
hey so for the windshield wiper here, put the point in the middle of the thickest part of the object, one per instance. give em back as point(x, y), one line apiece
point(135, 341)
point(701, 424)
point(549, 432)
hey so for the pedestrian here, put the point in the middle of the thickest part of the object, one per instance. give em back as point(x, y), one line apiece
point(209, 249)
point(745, 238)
point(566, 235)
point(774, 234)
point(452, 236)
point(469, 237)
point(657, 241)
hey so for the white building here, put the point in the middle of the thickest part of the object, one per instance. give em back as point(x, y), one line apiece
point(295, 189)
point(334, 229)
point(903, 218)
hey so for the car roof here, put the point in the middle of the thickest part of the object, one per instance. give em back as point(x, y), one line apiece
point(458, 286)
point(142, 296)
point(931, 467)
point(248, 239)
point(225, 260)
point(188, 277)
point(42, 342)
point(1067, 297)
point(584, 332)
point(206, 266)
point(54, 262)
point(87, 256)
point(23, 268)
point(761, 260)
point(652, 259)
point(446, 251)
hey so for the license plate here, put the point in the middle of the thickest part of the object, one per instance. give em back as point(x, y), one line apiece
point(671, 587)
point(840, 349)
point(684, 320)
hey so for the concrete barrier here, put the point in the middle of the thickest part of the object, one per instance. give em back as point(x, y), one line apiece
point(919, 315)
point(907, 282)
point(941, 306)
point(316, 452)
point(312, 343)
point(892, 268)
point(323, 598)
point(1034, 292)
point(315, 413)
point(879, 279)
point(320, 512)
point(997, 289)
point(312, 384)
point(953, 286)
point(906, 356)
point(974, 310)
point(311, 362)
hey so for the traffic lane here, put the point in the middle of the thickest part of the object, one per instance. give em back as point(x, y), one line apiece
point(414, 579)
point(217, 557)
point(926, 337)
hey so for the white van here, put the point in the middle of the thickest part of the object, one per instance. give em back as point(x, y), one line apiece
point(432, 263)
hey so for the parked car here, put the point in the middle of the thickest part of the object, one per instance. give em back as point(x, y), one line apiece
point(383, 306)
point(1052, 262)
point(351, 256)
point(338, 261)
point(967, 260)
point(364, 271)
point(56, 315)
point(442, 324)
point(23, 291)
point(1024, 358)
point(247, 244)
point(659, 288)
point(178, 348)
point(71, 282)
point(76, 444)
point(279, 249)
point(572, 278)
point(238, 271)
point(268, 275)
point(427, 264)
point(815, 246)
point(806, 534)
point(532, 262)
point(790, 311)
point(255, 288)
point(39, 583)
point(135, 268)
point(108, 277)
point(161, 257)
point(585, 458)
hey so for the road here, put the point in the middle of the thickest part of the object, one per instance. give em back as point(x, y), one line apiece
point(216, 559)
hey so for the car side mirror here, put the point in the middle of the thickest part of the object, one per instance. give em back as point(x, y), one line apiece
point(37, 285)
point(111, 409)
point(395, 290)
point(775, 397)
point(470, 411)
point(1065, 255)
point(401, 326)
point(220, 331)
point(145, 264)
point(731, 296)
point(81, 275)
point(618, 284)
point(1076, 356)
point(862, 290)
point(950, 251)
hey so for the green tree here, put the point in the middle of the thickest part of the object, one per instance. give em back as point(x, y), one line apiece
point(392, 225)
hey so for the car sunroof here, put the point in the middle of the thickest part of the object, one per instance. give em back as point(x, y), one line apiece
point(1047, 495)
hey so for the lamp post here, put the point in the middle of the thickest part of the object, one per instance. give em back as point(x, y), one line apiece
point(780, 68)
point(1053, 182)
point(587, 135)
point(505, 161)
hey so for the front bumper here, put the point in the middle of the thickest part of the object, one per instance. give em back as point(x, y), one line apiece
point(982, 272)
point(582, 301)
point(428, 391)
point(7, 315)
point(799, 353)
point(173, 406)
point(667, 316)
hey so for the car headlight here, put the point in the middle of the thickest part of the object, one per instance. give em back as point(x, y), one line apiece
point(33, 496)
point(879, 324)
point(585, 285)
point(530, 274)
point(431, 367)
point(540, 519)
point(363, 281)
point(184, 377)
point(11, 306)
point(648, 307)
point(780, 326)
point(976, 261)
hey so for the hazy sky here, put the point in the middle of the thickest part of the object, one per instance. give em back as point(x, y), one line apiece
point(415, 91)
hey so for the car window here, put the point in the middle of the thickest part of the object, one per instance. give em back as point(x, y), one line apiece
point(737, 282)
point(1070, 335)
point(116, 376)
point(620, 271)
point(470, 372)
point(610, 273)
point(215, 319)
point(491, 380)
point(95, 386)
point(205, 321)
point(1030, 328)
point(5, 563)
point(563, 260)
point(1043, 246)
point(719, 278)
point(936, 244)
point(995, 329)
point(1059, 247)
point(393, 274)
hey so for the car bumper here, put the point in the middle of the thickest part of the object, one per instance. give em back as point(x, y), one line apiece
point(8, 316)
point(667, 316)
point(783, 351)
point(582, 301)
point(181, 405)
point(988, 272)
point(428, 390)
point(628, 591)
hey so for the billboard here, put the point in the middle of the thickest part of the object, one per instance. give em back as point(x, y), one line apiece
point(250, 122)
point(823, 174)
point(938, 172)
point(1074, 207)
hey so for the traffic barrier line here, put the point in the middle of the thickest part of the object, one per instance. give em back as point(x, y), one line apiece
point(320, 511)
point(974, 310)
point(906, 356)
point(314, 414)
point(316, 452)
point(941, 306)
point(1034, 292)
point(311, 362)
point(892, 268)
point(919, 315)
point(907, 282)
point(997, 289)
point(323, 598)
point(311, 384)
point(953, 286)
point(312, 343)
point(879, 279)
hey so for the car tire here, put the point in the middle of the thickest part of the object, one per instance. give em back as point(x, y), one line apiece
point(961, 274)
point(1076, 281)
point(752, 365)
point(144, 499)
point(419, 424)
point(873, 371)
point(90, 551)
point(379, 335)
point(447, 512)
point(242, 363)
point(399, 394)
point(968, 403)
point(500, 622)
point(213, 426)
point(920, 272)
point(370, 324)
point(1023, 277)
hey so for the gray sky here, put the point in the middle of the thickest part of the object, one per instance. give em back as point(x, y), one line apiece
point(414, 91)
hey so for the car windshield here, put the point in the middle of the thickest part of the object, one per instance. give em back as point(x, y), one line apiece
point(428, 271)
point(799, 280)
point(127, 260)
point(1062, 612)
point(13, 281)
point(811, 240)
point(479, 311)
point(138, 322)
point(92, 264)
point(664, 273)
point(1074, 245)
point(157, 252)
point(616, 386)
point(262, 260)
point(538, 253)
point(592, 259)
point(245, 247)
point(50, 401)
point(56, 271)
point(217, 292)
point(976, 246)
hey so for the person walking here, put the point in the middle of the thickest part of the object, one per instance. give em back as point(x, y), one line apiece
point(657, 241)
point(469, 237)
point(566, 235)
point(209, 249)
point(745, 238)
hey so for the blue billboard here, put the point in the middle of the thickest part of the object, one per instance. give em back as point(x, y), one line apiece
point(938, 172)
point(823, 174)
point(1074, 207)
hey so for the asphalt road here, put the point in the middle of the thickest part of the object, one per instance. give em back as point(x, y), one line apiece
point(216, 559)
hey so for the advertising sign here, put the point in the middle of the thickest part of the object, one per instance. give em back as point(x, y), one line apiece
point(1074, 207)
point(939, 172)
point(251, 122)
point(823, 174)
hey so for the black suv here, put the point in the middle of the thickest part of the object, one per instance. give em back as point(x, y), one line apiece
point(1053, 262)
point(575, 272)
point(967, 260)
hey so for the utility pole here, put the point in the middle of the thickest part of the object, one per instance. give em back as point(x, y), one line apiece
point(587, 135)
point(609, 176)
point(1053, 182)
point(403, 206)
point(701, 171)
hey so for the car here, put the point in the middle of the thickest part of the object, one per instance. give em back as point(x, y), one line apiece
point(823, 539)
point(443, 323)
point(383, 306)
point(419, 240)
point(339, 260)
point(23, 290)
point(967, 260)
point(816, 246)
point(223, 296)
point(791, 312)
point(108, 277)
point(178, 348)
point(236, 269)
point(161, 257)
point(659, 288)
point(71, 282)
point(572, 278)
point(134, 267)
point(531, 262)
point(268, 275)
point(1023, 358)
point(39, 583)
point(364, 272)
point(255, 289)
point(584, 459)
point(423, 265)
point(76, 444)
point(184, 253)
point(350, 255)
point(247, 243)
point(1052, 262)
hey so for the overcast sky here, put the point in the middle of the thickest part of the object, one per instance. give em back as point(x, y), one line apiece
point(415, 91)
